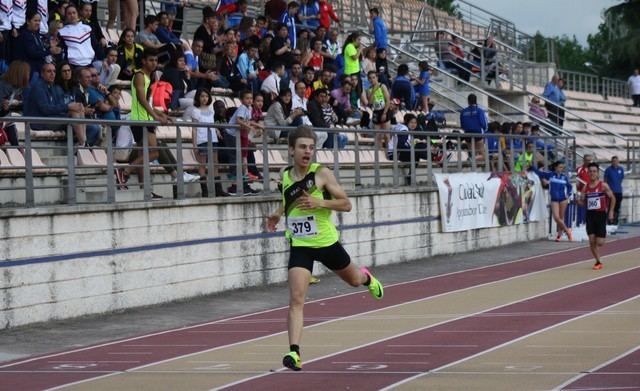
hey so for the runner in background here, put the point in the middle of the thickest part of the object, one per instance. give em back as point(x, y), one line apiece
point(594, 198)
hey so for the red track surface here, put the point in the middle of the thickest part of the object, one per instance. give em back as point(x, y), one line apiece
point(41, 372)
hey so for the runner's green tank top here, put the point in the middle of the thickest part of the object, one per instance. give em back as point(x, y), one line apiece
point(138, 112)
point(307, 227)
point(378, 98)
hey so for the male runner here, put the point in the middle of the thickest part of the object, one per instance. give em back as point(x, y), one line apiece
point(595, 194)
point(309, 193)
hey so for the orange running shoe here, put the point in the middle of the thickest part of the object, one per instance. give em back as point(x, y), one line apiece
point(597, 266)
point(570, 234)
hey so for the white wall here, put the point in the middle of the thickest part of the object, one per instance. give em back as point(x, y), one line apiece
point(123, 256)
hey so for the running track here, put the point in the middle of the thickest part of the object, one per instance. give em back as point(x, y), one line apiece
point(491, 329)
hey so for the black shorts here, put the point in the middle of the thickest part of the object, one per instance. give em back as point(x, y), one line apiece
point(597, 224)
point(334, 257)
point(137, 132)
point(379, 117)
point(469, 137)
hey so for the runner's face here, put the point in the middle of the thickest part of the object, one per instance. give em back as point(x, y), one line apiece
point(303, 152)
point(593, 173)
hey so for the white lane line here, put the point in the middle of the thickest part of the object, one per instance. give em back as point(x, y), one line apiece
point(379, 362)
point(447, 321)
point(133, 353)
point(407, 354)
point(354, 315)
point(240, 317)
point(436, 370)
point(165, 346)
point(433, 346)
point(91, 362)
point(569, 346)
point(596, 368)
point(476, 331)
point(225, 331)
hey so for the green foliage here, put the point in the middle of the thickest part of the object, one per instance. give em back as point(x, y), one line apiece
point(446, 5)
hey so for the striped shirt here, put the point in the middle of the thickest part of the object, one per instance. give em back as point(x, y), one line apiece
point(6, 14)
point(77, 37)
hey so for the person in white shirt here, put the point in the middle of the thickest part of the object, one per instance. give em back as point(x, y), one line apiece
point(299, 101)
point(77, 37)
point(271, 85)
point(634, 87)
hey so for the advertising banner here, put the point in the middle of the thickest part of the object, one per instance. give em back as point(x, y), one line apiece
point(480, 200)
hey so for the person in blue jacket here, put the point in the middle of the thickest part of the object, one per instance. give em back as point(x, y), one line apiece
point(473, 120)
point(614, 175)
point(560, 190)
point(379, 29)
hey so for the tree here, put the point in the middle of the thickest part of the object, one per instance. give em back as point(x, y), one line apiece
point(446, 5)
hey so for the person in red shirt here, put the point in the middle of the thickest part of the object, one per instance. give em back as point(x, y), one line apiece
point(600, 202)
point(326, 14)
point(582, 178)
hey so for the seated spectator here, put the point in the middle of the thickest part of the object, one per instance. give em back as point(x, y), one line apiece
point(32, 48)
point(129, 55)
point(271, 85)
point(166, 36)
point(202, 67)
point(281, 47)
point(540, 143)
point(148, 39)
point(443, 51)
point(331, 119)
point(204, 113)
point(401, 141)
point(98, 41)
point(325, 81)
point(402, 88)
point(489, 52)
point(369, 62)
point(342, 103)
point(527, 159)
point(12, 87)
point(109, 69)
point(536, 111)
point(333, 49)
point(66, 82)
point(295, 75)
point(83, 84)
point(247, 67)
point(273, 9)
point(309, 77)
point(473, 120)
point(45, 99)
point(280, 113)
point(493, 146)
point(316, 59)
point(207, 32)
point(75, 36)
point(264, 49)
point(227, 65)
point(463, 67)
point(177, 75)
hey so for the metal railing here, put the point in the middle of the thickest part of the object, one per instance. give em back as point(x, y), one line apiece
point(594, 84)
point(360, 165)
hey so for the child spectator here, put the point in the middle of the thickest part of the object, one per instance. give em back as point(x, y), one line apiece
point(422, 86)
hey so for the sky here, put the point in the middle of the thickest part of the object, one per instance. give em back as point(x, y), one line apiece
point(550, 17)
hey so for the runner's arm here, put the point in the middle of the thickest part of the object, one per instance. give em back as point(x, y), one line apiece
point(612, 199)
point(340, 201)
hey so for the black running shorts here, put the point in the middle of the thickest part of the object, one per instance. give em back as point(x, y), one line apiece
point(334, 257)
point(597, 224)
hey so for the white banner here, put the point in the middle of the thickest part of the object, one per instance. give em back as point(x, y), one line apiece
point(480, 200)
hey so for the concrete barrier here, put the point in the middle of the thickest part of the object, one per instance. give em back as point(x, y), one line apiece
point(64, 262)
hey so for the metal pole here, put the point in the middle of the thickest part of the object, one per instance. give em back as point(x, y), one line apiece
point(239, 168)
point(179, 168)
point(211, 185)
point(376, 160)
point(336, 156)
point(358, 180)
point(146, 169)
point(28, 179)
point(71, 168)
point(111, 181)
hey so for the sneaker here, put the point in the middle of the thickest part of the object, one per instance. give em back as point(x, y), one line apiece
point(188, 178)
point(121, 179)
point(248, 190)
point(558, 236)
point(313, 279)
point(253, 177)
point(292, 361)
point(155, 196)
point(597, 266)
point(570, 234)
point(375, 287)
point(232, 190)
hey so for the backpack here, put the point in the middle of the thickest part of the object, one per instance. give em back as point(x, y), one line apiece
point(160, 95)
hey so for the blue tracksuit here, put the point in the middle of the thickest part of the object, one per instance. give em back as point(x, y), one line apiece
point(559, 185)
point(614, 176)
point(473, 120)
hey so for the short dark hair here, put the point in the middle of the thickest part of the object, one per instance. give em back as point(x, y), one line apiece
point(149, 20)
point(161, 14)
point(403, 69)
point(472, 99)
point(593, 164)
point(374, 10)
point(614, 158)
point(300, 132)
point(408, 117)
point(149, 52)
point(244, 93)
point(293, 4)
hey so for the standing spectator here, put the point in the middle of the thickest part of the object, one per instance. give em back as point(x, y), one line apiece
point(288, 18)
point(77, 39)
point(563, 100)
point(352, 51)
point(204, 113)
point(473, 120)
point(552, 95)
point(242, 117)
point(380, 101)
point(330, 118)
point(12, 86)
point(6, 29)
point(234, 18)
point(207, 32)
point(382, 66)
point(634, 87)
point(98, 41)
point(176, 74)
point(368, 63)
point(423, 85)
point(379, 29)
point(47, 100)
point(316, 60)
point(614, 175)
point(333, 47)
point(280, 47)
point(129, 13)
point(309, 14)
point(326, 14)
point(402, 88)
point(582, 178)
